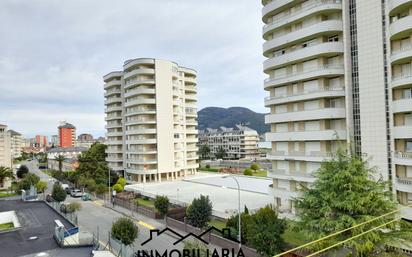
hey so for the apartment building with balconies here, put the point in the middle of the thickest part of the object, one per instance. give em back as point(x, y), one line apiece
point(339, 75)
point(17, 143)
point(239, 142)
point(151, 120)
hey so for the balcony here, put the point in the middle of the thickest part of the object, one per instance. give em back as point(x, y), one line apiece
point(140, 91)
point(141, 161)
point(396, 6)
point(114, 134)
point(402, 55)
point(329, 27)
point(403, 158)
point(140, 131)
point(113, 109)
point(191, 89)
point(319, 114)
point(113, 100)
point(142, 151)
point(402, 132)
point(402, 105)
point(140, 101)
point(401, 28)
point(141, 141)
point(133, 62)
point(139, 71)
point(141, 111)
point(141, 121)
point(285, 175)
point(113, 74)
point(190, 80)
point(114, 142)
point(192, 131)
point(316, 6)
point(141, 171)
point(111, 117)
point(308, 74)
point(114, 159)
point(404, 185)
point(112, 83)
point(313, 156)
point(111, 92)
point(191, 97)
point(137, 82)
point(309, 95)
point(275, 5)
point(402, 79)
point(116, 125)
point(282, 192)
point(327, 49)
point(192, 140)
point(318, 135)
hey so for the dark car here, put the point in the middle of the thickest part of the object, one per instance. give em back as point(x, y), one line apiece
point(42, 167)
point(69, 190)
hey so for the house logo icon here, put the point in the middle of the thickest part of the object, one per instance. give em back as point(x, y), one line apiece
point(156, 232)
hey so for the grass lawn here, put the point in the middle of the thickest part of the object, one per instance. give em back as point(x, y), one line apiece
point(217, 224)
point(294, 237)
point(6, 225)
point(211, 169)
point(260, 173)
point(5, 194)
point(47, 172)
point(146, 203)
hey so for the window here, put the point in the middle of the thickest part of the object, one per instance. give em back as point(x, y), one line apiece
point(333, 38)
point(407, 93)
point(409, 146)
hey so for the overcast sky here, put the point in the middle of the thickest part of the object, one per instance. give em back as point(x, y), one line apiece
point(53, 55)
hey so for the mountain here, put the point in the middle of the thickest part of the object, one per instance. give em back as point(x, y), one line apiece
point(215, 117)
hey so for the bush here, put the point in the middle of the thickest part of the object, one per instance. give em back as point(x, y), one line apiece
point(22, 171)
point(31, 178)
point(248, 172)
point(146, 198)
point(41, 186)
point(207, 166)
point(118, 188)
point(58, 193)
point(125, 231)
point(101, 189)
point(199, 212)
point(255, 167)
point(195, 246)
point(74, 207)
point(161, 203)
point(121, 181)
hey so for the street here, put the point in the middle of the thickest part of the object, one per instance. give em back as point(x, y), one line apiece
point(97, 219)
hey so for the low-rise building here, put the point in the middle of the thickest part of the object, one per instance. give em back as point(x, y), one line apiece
point(240, 142)
point(69, 153)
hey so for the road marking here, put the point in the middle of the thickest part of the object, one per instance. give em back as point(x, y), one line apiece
point(144, 224)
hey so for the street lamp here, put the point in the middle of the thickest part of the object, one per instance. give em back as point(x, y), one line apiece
point(238, 210)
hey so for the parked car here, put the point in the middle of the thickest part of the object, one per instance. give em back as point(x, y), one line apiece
point(76, 193)
point(42, 167)
point(49, 198)
point(68, 190)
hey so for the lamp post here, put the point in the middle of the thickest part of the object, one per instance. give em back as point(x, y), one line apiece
point(239, 237)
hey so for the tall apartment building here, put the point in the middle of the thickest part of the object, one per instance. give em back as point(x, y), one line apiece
point(239, 142)
point(151, 120)
point(5, 147)
point(17, 143)
point(67, 135)
point(339, 74)
point(40, 141)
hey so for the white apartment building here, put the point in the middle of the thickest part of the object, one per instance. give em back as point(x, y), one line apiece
point(339, 73)
point(5, 147)
point(240, 142)
point(151, 120)
point(17, 143)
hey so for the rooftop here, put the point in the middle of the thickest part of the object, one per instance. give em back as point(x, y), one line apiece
point(67, 149)
point(37, 220)
point(67, 125)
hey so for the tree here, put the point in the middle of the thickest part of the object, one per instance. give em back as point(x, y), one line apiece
point(204, 152)
point(233, 223)
point(255, 167)
point(74, 207)
point(41, 186)
point(118, 188)
point(248, 172)
point(5, 172)
point(121, 181)
point(345, 194)
point(221, 153)
point(60, 159)
point(92, 164)
point(21, 171)
point(101, 189)
point(31, 178)
point(195, 246)
point(125, 231)
point(161, 203)
point(58, 193)
point(199, 212)
point(264, 231)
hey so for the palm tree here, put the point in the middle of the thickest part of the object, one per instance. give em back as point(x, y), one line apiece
point(60, 158)
point(5, 172)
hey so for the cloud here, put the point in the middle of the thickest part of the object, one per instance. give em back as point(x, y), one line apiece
point(53, 54)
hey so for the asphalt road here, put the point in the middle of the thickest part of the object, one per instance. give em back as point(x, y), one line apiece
point(97, 219)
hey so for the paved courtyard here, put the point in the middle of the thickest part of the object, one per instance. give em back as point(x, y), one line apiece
point(221, 191)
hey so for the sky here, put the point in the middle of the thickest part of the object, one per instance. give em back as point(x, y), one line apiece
point(53, 55)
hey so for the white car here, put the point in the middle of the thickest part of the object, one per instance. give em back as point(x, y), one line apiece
point(76, 193)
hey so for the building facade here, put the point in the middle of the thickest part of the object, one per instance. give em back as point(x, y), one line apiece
point(5, 147)
point(17, 143)
point(239, 142)
point(70, 155)
point(40, 141)
point(151, 120)
point(67, 135)
point(339, 74)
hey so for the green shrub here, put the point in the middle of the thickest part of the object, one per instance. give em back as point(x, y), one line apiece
point(146, 198)
point(161, 203)
point(118, 188)
point(125, 231)
point(207, 166)
point(255, 166)
point(121, 181)
point(248, 172)
point(199, 212)
point(58, 193)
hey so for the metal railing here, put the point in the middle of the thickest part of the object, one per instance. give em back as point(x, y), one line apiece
point(312, 69)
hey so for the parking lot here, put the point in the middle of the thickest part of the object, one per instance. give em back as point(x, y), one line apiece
point(222, 191)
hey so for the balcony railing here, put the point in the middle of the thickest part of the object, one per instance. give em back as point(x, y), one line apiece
point(312, 69)
point(318, 90)
point(404, 181)
point(402, 49)
point(309, 6)
point(298, 153)
point(403, 155)
point(402, 75)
